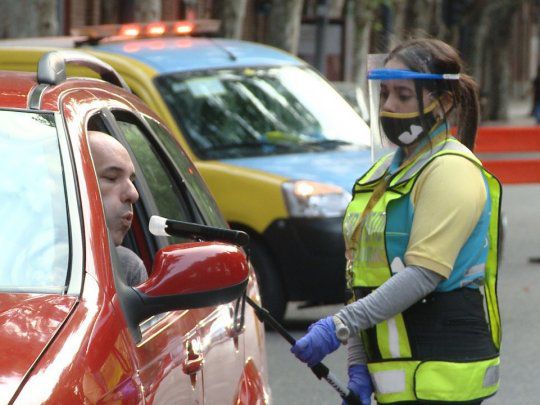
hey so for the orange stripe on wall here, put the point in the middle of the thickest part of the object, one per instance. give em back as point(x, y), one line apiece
point(514, 171)
point(508, 139)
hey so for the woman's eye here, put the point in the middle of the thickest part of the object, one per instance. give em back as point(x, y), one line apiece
point(404, 98)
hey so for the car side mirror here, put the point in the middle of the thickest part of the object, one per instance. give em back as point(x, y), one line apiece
point(190, 275)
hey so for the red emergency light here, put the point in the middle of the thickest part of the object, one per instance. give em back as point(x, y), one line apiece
point(183, 27)
point(156, 29)
point(129, 30)
point(118, 32)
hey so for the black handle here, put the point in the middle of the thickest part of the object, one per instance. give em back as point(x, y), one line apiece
point(319, 369)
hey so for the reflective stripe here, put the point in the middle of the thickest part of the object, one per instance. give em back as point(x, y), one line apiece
point(394, 380)
point(492, 376)
point(448, 145)
point(393, 338)
point(378, 169)
point(389, 381)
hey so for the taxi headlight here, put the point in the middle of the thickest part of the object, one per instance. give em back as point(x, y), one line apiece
point(306, 198)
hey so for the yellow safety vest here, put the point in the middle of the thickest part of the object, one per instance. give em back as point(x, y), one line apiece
point(398, 376)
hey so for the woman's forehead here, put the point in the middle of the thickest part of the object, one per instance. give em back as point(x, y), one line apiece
point(398, 84)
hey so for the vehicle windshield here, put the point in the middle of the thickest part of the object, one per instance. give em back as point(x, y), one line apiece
point(233, 113)
point(34, 233)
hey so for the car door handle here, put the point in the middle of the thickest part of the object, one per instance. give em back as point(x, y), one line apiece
point(192, 364)
point(234, 332)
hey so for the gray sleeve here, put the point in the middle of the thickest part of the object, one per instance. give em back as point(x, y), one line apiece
point(393, 297)
point(355, 351)
point(132, 266)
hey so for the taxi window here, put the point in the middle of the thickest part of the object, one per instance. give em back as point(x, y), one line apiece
point(34, 234)
point(168, 198)
point(204, 200)
point(235, 113)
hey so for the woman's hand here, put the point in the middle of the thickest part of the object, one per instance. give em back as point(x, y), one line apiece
point(360, 383)
point(320, 341)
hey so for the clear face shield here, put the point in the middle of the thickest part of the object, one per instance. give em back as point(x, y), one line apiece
point(380, 145)
point(396, 97)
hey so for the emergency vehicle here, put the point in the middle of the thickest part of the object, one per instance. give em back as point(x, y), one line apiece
point(277, 145)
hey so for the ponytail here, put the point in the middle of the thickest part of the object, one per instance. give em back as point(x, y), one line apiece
point(468, 111)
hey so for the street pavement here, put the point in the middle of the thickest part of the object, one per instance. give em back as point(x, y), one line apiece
point(519, 294)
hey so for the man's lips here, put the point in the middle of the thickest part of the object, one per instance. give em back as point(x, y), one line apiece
point(127, 218)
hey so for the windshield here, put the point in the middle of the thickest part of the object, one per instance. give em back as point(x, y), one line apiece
point(246, 112)
point(34, 231)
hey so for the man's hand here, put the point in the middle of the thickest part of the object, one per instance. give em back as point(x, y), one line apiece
point(320, 340)
point(360, 383)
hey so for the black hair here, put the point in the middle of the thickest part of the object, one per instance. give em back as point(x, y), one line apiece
point(434, 56)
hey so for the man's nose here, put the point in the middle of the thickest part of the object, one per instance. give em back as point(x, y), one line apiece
point(131, 195)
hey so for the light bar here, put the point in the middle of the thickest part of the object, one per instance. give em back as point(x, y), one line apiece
point(117, 32)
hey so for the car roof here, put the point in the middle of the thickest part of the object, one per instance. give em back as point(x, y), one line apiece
point(15, 88)
point(180, 54)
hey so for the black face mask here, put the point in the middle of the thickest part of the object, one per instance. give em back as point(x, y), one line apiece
point(403, 129)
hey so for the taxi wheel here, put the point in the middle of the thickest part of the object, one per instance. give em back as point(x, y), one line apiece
point(269, 280)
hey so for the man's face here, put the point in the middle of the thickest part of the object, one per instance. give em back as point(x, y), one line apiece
point(115, 173)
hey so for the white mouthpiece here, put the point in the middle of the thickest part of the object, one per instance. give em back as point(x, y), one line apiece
point(157, 225)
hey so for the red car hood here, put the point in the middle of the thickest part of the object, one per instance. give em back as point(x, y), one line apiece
point(28, 322)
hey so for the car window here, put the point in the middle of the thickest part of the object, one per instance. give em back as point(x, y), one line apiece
point(190, 175)
point(34, 234)
point(168, 198)
point(230, 113)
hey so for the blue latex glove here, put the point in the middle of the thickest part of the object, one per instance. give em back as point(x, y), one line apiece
point(320, 340)
point(360, 383)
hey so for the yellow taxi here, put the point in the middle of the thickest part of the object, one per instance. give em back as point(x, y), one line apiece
point(278, 147)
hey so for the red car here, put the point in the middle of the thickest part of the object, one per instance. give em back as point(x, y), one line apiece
point(72, 330)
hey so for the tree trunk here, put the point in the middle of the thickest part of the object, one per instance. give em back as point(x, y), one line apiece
point(284, 24)
point(496, 86)
point(28, 18)
point(364, 16)
point(147, 10)
point(435, 25)
point(110, 12)
point(418, 18)
point(398, 29)
point(232, 20)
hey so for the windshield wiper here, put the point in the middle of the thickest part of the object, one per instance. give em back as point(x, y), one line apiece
point(240, 145)
point(328, 143)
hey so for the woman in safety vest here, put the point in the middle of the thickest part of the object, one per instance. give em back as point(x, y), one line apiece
point(421, 234)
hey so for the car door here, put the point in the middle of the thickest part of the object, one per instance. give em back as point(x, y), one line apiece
point(223, 330)
point(211, 349)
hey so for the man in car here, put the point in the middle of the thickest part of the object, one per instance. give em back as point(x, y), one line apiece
point(115, 172)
